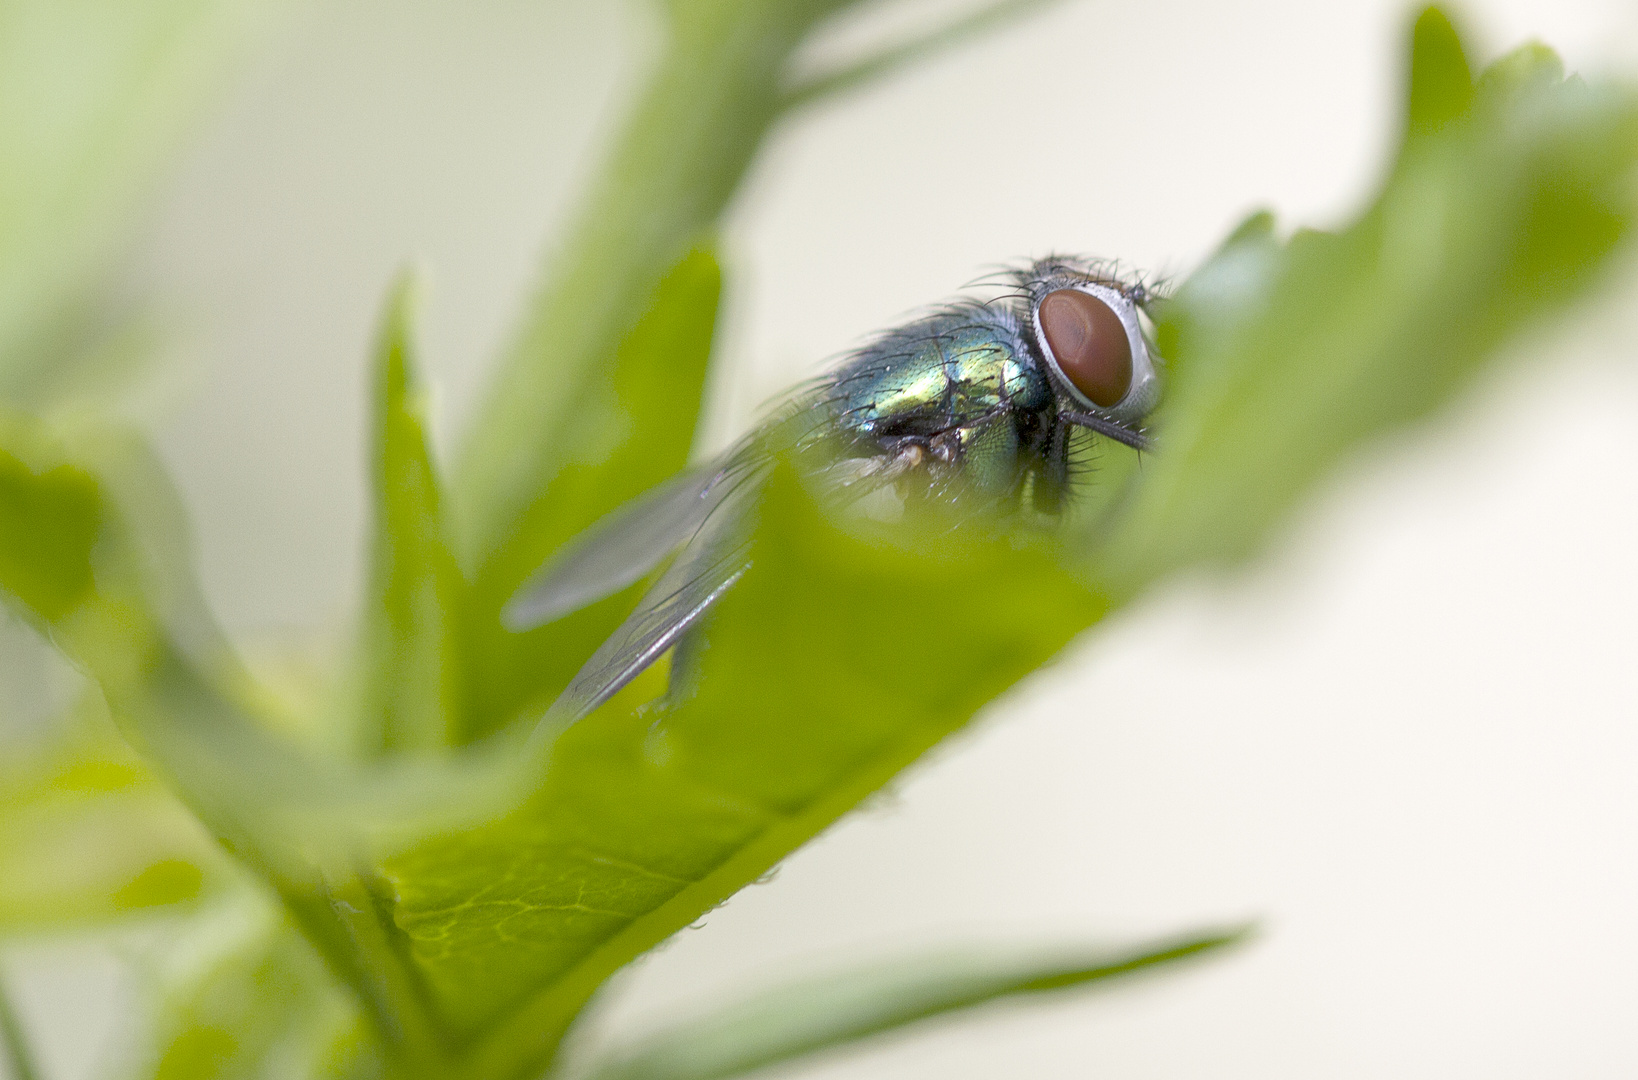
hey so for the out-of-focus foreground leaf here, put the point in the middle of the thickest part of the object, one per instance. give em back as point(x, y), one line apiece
point(88, 834)
point(795, 1021)
point(238, 992)
point(837, 662)
point(297, 821)
point(93, 97)
point(49, 519)
point(1508, 199)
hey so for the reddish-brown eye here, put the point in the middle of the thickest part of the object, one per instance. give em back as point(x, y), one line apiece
point(1089, 342)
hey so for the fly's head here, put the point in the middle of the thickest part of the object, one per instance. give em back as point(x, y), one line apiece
point(1088, 326)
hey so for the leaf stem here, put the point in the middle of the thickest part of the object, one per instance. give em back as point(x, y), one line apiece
point(414, 1037)
point(888, 60)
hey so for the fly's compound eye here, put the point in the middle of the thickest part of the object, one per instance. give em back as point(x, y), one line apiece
point(1089, 342)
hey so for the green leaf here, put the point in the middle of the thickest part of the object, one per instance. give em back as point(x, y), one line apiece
point(846, 652)
point(632, 430)
point(808, 701)
point(293, 818)
point(409, 662)
point(792, 1022)
point(1503, 206)
point(93, 540)
point(1441, 84)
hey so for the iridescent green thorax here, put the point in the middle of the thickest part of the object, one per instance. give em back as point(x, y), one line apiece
point(947, 371)
point(958, 392)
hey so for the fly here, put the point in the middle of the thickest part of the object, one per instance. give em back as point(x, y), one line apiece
point(976, 401)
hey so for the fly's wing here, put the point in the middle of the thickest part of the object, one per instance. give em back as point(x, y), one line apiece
point(618, 550)
point(625, 545)
point(708, 513)
point(714, 558)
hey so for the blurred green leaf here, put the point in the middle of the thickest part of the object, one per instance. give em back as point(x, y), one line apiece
point(795, 1021)
point(1441, 83)
point(76, 568)
point(94, 547)
point(409, 662)
point(1505, 203)
point(94, 95)
point(49, 519)
point(87, 834)
point(295, 819)
point(240, 992)
point(633, 429)
point(708, 104)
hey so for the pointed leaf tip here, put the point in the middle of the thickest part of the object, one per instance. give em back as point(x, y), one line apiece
point(802, 1019)
point(393, 343)
point(1441, 81)
point(1258, 224)
point(409, 694)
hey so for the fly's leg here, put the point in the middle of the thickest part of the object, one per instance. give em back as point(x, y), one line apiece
point(1051, 471)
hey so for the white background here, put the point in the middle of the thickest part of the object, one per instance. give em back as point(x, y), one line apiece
point(1406, 740)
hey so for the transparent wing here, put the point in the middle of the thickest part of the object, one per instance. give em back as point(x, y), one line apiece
point(714, 558)
point(620, 549)
point(707, 514)
point(626, 544)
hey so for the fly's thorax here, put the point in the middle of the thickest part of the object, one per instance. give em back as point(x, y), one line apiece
point(952, 370)
point(946, 404)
